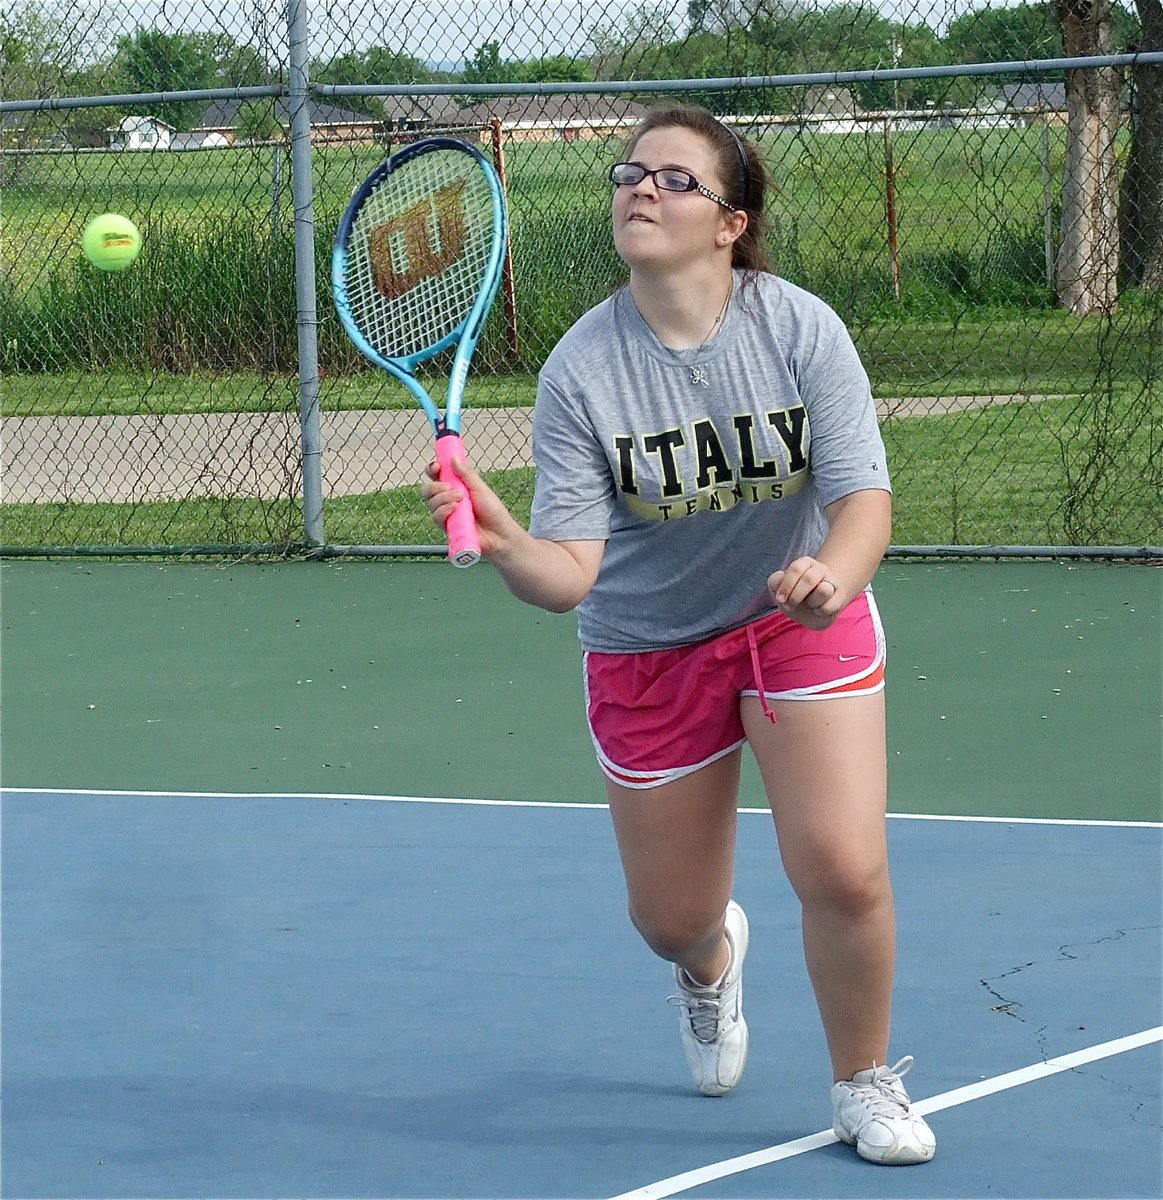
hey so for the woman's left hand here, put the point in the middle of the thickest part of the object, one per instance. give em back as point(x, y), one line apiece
point(807, 593)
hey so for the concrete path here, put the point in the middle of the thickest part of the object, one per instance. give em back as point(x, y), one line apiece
point(130, 459)
point(126, 459)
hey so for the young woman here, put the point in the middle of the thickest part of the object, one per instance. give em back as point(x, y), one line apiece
point(712, 497)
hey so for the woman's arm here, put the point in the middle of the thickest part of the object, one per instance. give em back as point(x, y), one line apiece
point(553, 575)
point(811, 590)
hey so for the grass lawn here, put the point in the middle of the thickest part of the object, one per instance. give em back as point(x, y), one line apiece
point(1026, 473)
point(992, 354)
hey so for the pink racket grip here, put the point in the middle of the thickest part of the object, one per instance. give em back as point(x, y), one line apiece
point(464, 547)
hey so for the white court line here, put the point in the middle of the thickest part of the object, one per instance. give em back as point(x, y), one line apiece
point(166, 795)
point(494, 803)
point(962, 1095)
point(1025, 820)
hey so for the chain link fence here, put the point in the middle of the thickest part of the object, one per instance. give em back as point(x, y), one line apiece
point(977, 190)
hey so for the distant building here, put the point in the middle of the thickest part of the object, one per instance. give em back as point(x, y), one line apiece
point(827, 109)
point(411, 114)
point(1037, 98)
point(197, 141)
point(140, 133)
point(328, 123)
point(555, 117)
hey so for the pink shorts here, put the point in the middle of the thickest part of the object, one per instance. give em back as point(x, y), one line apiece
point(661, 714)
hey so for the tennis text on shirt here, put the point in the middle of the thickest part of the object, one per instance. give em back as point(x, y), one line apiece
point(700, 468)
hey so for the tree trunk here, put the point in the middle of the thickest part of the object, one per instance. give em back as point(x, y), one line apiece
point(1088, 254)
point(1141, 207)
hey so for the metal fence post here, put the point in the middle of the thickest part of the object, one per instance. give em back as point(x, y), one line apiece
point(306, 319)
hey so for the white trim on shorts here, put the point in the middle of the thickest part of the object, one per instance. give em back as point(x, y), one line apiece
point(640, 780)
point(831, 690)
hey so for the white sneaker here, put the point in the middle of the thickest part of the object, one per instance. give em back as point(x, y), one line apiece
point(872, 1112)
point(714, 1033)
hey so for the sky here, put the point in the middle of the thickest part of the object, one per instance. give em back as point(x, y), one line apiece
point(435, 31)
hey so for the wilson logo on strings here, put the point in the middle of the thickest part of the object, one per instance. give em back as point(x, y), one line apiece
point(419, 242)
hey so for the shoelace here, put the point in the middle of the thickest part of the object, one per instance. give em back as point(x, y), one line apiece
point(885, 1096)
point(702, 1012)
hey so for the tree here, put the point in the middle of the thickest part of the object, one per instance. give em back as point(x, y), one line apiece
point(697, 12)
point(42, 56)
point(237, 65)
point(631, 48)
point(852, 37)
point(1025, 31)
point(41, 53)
point(90, 126)
point(376, 65)
point(486, 66)
point(919, 46)
point(557, 68)
point(726, 16)
point(150, 60)
point(1141, 205)
point(29, 61)
point(1087, 277)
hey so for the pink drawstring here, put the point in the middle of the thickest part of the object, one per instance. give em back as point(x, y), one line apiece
point(757, 671)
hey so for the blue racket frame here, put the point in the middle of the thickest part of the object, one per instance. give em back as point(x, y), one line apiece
point(467, 334)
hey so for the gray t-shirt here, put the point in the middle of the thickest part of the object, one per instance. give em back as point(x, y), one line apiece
point(704, 470)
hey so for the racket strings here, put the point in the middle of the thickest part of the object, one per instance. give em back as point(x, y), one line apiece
point(420, 248)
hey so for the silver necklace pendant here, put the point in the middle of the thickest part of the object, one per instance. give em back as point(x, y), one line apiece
point(698, 374)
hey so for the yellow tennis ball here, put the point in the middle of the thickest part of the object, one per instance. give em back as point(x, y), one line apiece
point(111, 242)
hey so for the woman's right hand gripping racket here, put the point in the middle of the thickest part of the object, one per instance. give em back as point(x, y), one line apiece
point(416, 265)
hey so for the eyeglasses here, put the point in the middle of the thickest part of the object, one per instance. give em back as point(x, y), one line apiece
point(668, 179)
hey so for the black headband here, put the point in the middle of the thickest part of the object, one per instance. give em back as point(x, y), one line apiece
point(742, 160)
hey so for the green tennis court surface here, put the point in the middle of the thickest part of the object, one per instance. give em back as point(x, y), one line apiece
point(1014, 688)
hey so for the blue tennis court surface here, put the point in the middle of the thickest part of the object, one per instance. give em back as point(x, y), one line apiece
point(345, 997)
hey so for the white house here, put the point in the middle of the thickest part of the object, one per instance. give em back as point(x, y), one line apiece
point(140, 133)
point(197, 141)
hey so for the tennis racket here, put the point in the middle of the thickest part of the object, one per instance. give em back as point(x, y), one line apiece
point(416, 265)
